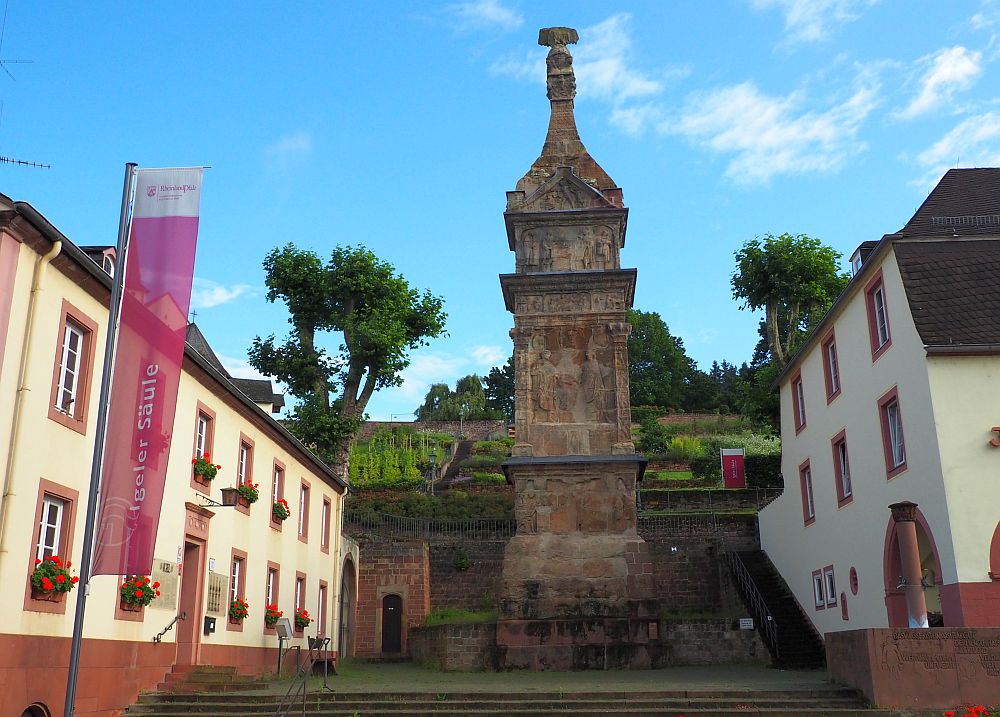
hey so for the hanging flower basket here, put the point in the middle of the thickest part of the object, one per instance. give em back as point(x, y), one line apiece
point(136, 592)
point(280, 510)
point(51, 579)
point(203, 469)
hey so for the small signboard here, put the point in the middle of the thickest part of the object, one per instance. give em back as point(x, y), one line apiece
point(733, 474)
point(283, 628)
point(746, 623)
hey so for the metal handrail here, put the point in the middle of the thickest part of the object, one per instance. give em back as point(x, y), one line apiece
point(755, 601)
point(170, 626)
point(300, 682)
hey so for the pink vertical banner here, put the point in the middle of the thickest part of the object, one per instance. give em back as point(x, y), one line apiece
point(733, 472)
point(152, 330)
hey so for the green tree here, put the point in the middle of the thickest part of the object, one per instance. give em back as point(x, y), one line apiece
point(467, 400)
point(379, 317)
point(795, 279)
point(499, 387)
point(659, 370)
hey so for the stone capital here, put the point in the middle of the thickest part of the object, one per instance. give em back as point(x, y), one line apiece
point(904, 512)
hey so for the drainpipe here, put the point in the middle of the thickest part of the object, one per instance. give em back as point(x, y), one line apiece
point(22, 385)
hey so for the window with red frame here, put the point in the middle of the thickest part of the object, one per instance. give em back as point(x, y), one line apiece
point(842, 468)
point(806, 484)
point(892, 433)
point(798, 403)
point(831, 368)
point(878, 316)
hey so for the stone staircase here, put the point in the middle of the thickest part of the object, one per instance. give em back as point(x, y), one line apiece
point(824, 702)
point(192, 679)
point(799, 645)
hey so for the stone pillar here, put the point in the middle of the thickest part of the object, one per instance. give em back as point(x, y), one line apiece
point(905, 516)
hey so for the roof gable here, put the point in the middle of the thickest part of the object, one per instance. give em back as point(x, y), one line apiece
point(966, 202)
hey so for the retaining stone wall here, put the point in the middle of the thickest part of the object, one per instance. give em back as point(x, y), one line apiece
point(476, 588)
point(460, 648)
point(710, 642)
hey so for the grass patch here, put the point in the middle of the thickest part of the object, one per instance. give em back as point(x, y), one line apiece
point(457, 616)
point(670, 475)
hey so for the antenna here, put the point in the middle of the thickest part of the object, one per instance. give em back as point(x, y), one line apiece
point(3, 62)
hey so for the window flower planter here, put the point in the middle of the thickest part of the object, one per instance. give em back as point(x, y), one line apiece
point(203, 470)
point(46, 595)
point(51, 579)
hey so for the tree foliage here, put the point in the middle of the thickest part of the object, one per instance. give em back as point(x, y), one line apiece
point(795, 279)
point(467, 401)
point(659, 370)
point(499, 388)
point(379, 317)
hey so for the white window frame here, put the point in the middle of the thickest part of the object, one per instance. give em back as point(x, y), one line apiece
point(201, 435)
point(241, 468)
point(42, 548)
point(321, 611)
point(70, 365)
point(236, 572)
point(324, 525)
point(800, 402)
point(819, 590)
point(299, 590)
point(830, 587)
point(276, 481)
point(833, 367)
point(845, 468)
point(896, 442)
point(272, 580)
point(303, 507)
point(810, 500)
point(881, 318)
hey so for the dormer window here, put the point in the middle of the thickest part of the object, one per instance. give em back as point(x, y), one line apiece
point(109, 264)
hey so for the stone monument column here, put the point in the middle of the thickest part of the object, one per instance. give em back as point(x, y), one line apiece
point(905, 516)
point(577, 581)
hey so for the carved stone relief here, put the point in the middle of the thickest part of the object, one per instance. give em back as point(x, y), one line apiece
point(573, 248)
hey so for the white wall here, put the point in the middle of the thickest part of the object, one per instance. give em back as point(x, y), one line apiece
point(854, 535)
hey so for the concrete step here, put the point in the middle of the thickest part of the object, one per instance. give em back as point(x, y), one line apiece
point(568, 709)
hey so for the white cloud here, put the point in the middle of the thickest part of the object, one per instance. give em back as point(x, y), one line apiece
point(769, 136)
point(603, 65)
point(527, 66)
point(488, 355)
point(811, 20)
point(239, 368)
point(206, 293)
point(288, 151)
point(485, 14)
point(974, 142)
point(947, 71)
point(426, 369)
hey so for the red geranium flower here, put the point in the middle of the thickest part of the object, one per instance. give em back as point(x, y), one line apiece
point(156, 585)
point(157, 593)
point(47, 584)
point(60, 578)
point(138, 593)
point(37, 561)
point(74, 579)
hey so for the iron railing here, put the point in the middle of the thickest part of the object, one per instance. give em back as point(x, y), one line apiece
point(426, 528)
point(766, 623)
point(170, 626)
point(723, 500)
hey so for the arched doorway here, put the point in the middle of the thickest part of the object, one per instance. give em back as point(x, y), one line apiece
point(930, 565)
point(392, 624)
point(347, 609)
point(995, 555)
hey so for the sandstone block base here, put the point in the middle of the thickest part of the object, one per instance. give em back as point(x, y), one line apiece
point(579, 644)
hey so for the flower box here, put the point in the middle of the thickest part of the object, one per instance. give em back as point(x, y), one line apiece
point(47, 595)
point(128, 606)
point(232, 496)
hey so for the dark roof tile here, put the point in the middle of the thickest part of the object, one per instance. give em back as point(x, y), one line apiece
point(966, 202)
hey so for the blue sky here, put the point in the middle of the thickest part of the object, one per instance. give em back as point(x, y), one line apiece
point(401, 125)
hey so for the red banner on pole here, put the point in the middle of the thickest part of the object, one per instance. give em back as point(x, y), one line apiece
point(733, 474)
point(153, 325)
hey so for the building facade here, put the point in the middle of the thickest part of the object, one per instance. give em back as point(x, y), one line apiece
point(891, 511)
point(53, 318)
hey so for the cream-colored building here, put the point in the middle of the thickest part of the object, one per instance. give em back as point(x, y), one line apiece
point(893, 401)
point(53, 318)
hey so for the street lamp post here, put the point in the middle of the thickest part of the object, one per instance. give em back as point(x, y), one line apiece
point(434, 460)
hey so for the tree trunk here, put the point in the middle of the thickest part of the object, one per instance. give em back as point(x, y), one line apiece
point(773, 339)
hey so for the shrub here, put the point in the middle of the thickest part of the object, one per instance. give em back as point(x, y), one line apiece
point(494, 447)
point(707, 467)
point(481, 461)
point(764, 471)
point(684, 448)
point(483, 478)
point(462, 560)
point(642, 413)
point(453, 505)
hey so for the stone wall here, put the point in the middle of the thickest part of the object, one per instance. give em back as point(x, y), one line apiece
point(721, 500)
point(710, 642)
point(475, 588)
point(461, 648)
point(388, 568)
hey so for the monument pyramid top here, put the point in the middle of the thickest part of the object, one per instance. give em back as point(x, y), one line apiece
point(563, 147)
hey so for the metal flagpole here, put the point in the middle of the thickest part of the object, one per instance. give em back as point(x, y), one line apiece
point(102, 419)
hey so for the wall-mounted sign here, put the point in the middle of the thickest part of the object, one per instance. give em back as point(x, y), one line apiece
point(746, 623)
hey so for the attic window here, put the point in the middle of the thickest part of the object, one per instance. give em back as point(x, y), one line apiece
point(109, 264)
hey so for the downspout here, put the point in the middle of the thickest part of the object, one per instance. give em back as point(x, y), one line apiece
point(22, 386)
